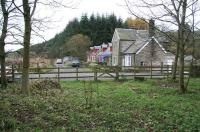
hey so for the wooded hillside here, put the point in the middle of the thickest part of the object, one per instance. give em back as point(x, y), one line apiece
point(98, 28)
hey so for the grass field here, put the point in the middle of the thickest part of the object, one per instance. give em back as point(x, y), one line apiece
point(151, 105)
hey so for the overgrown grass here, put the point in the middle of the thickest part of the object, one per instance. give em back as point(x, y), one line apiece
point(152, 105)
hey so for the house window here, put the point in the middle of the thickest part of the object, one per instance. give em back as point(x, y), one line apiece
point(141, 63)
point(129, 60)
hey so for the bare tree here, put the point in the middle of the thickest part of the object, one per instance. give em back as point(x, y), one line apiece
point(6, 8)
point(28, 11)
point(193, 9)
point(173, 12)
point(27, 14)
point(26, 42)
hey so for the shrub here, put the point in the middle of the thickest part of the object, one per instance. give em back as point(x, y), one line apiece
point(45, 87)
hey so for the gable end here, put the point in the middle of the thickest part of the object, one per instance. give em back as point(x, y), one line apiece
point(148, 43)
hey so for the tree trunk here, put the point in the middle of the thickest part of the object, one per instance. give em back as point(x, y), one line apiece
point(175, 65)
point(3, 71)
point(181, 82)
point(176, 59)
point(182, 41)
point(2, 44)
point(193, 47)
point(27, 36)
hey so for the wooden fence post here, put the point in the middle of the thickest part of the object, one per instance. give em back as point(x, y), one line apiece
point(117, 74)
point(172, 70)
point(19, 67)
point(13, 73)
point(161, 68)
point(167, 71)
point(134, 65)
point(58, 74)
point(172, 67)
point(134, 72)
point(95, 74)
point(151, 69)
point(77, 73)
point(38, 69)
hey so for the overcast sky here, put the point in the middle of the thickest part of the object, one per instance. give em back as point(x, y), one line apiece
point(62, 16)
point(89, 7)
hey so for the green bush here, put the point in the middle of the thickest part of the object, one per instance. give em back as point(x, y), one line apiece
point(45, 85)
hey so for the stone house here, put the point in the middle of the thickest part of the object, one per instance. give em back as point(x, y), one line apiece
point(138, 47)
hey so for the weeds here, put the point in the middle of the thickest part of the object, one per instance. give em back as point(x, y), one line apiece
point(101, 106)
point(91, 93)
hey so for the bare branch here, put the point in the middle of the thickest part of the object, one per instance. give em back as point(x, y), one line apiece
point(57, 4)
point(34, 7)
point(18, 8)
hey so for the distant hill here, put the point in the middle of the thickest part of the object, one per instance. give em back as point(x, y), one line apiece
point(98, 28)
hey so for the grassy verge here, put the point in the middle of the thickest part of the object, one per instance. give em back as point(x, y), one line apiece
point(152, 105)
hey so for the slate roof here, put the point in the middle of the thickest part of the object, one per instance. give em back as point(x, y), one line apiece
point(131, 34)
point(139, 37)
point(133, 48)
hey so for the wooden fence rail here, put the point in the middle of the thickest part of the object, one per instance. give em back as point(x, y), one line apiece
point(96, 73)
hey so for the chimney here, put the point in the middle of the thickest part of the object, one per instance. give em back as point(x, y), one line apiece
point(151, 28)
